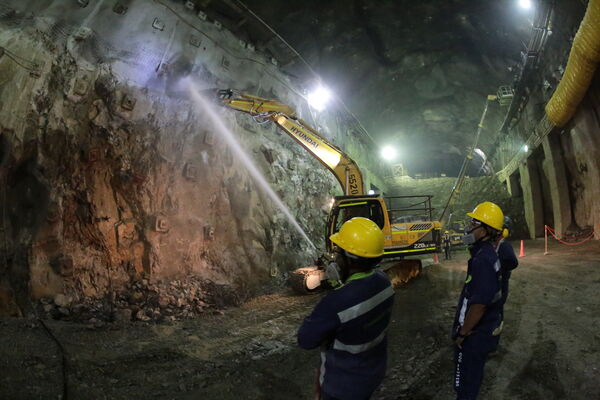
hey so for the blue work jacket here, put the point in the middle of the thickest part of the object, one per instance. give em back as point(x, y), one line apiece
point(482, 286)
point(508, 262)
point(349, 324)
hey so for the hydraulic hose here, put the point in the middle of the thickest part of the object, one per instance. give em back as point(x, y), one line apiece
point(582, 64)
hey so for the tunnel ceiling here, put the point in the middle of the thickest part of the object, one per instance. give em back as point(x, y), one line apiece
point(415, 73)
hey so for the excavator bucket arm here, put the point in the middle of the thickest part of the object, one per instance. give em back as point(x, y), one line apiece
point(343, 167)
point(253, 105)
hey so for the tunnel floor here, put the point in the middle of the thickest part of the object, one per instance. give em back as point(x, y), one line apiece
point(549, 348)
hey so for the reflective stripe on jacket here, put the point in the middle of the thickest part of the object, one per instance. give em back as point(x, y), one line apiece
point(350, 325)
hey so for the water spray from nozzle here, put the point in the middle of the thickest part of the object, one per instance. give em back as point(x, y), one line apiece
point(198, 96)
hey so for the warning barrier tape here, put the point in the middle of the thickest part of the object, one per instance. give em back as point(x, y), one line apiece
point(566, 236)
point(553, 233)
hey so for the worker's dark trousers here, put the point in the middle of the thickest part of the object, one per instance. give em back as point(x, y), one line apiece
point(447, 253)
point(469, 362)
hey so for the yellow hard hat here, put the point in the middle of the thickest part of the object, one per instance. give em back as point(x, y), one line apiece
point(490, 214)
point(446, 232)
point(361, 237)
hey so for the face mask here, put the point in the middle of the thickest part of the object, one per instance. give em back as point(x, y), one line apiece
point(469, 237)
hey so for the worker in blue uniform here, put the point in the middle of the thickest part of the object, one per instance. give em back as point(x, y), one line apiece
point(508, 259)
point(508, 262)
point(349, 324)
point(478, 314)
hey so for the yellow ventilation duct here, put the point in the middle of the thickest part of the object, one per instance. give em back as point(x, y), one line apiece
point(583, 60)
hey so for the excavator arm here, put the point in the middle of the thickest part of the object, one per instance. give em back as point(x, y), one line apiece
point(343, 167)
point(402, 238)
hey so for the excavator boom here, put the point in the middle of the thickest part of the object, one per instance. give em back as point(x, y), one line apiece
point(343, 167)
point(404, 235)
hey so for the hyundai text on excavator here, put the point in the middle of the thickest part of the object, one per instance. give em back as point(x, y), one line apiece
point(405, 235)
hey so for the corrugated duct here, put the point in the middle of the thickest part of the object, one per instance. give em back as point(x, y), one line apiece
point(582, 64)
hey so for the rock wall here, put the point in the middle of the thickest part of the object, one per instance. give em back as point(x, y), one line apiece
point(111, 176)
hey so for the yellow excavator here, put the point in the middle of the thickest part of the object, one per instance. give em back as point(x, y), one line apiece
point(408, 228)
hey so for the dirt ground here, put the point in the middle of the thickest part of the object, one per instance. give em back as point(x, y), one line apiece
point(549, 349)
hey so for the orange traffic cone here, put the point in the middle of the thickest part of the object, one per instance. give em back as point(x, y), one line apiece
point(522, 252)
point(436, 260)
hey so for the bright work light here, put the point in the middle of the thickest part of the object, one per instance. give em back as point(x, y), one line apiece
point(525, 148)
point(388, 153)
point(371, 191)
point(526, 4)
point(319, 98)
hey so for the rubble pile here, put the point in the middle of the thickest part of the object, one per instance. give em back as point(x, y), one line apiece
point(144, 300)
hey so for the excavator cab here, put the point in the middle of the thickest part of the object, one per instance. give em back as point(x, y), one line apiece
point(406, 222)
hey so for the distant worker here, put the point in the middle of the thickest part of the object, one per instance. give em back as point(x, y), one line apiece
point(508, 262)
point(478, 313)
point(350, 322)
point(447, 246)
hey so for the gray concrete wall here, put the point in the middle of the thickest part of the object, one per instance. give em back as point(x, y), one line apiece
point(560, 179)
point(569, 198)
point(546, 193)
point(557, 178)
point(532, 198)
point(581, 146)
point(513, 185)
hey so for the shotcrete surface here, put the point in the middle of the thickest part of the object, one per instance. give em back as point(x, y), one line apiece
point(549, 349)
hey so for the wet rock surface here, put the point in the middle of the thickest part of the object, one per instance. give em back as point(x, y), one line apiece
point(111, 175)
point(547, 350)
